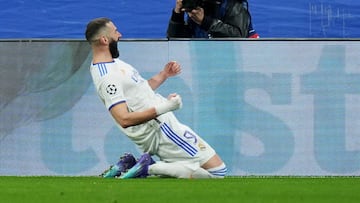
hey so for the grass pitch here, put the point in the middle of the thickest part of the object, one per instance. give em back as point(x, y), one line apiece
point(230, 189)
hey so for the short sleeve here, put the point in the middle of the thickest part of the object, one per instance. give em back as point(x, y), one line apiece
point(112, 93)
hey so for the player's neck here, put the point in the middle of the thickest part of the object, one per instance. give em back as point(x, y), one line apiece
point(101, 56)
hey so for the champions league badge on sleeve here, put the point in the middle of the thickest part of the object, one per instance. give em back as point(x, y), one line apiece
point(111, 89)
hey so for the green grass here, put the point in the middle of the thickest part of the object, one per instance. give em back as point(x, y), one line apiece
point(230, 189)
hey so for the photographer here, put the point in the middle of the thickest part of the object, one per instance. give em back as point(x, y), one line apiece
point(211, 19)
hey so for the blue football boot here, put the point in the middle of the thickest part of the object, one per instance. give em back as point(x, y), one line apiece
point(126, 162)
point(140, 169)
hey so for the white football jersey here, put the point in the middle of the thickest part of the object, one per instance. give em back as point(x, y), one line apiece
point(117, 82)
point(166, 137)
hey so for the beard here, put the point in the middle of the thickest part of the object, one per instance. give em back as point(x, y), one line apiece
point(114, 49)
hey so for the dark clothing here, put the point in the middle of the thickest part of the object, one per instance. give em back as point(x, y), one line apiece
point(231, 18)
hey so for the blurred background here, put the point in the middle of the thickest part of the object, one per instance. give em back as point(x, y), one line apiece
point(149, 19)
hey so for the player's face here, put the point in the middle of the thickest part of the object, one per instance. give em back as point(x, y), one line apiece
point(114, 35)
point(113, 31)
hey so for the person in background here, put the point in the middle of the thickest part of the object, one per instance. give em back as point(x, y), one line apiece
point(211, 19)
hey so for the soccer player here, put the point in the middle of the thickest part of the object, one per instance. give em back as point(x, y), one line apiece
point(145, 116)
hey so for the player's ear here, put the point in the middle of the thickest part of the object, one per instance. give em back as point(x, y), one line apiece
point(104, 40)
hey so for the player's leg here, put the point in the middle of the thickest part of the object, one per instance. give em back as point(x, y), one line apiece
point(218, 171)
point(176, 170)
point(146, 166)
point(193, 150)
point(215, 166)
point(186, 170)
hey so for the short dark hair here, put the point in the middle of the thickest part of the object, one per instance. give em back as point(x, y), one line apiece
point(94, 26)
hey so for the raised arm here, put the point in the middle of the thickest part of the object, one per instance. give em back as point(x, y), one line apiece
point(171, 69)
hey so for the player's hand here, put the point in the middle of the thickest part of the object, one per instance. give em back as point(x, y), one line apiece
point(175, 101)
point(172, 103)
point(172, 68)
point(197, 15)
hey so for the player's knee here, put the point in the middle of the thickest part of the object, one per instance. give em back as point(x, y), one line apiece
point(219, 171)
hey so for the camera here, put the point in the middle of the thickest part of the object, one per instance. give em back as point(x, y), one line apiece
point(189, 5)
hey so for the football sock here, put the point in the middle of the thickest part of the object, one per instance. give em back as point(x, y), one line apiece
point(178, 170)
